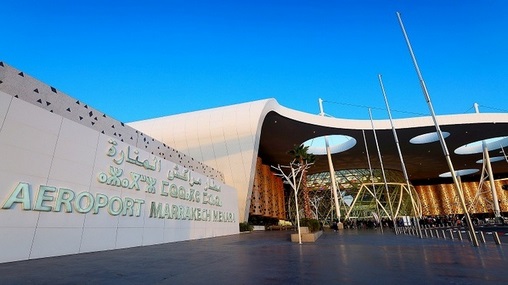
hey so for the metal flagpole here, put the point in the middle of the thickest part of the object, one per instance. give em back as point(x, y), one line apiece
point(332, 170)
point(486, 162)
point(372, 180)
point(383, 172)
point(403, 165)
point(440, 135)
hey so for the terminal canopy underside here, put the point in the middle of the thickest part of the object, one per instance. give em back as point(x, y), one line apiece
point(363, 197)
point(424, 162)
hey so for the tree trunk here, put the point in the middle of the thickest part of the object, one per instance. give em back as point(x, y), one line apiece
point(306, 199)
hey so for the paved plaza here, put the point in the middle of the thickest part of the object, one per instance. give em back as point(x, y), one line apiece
point(347, 257)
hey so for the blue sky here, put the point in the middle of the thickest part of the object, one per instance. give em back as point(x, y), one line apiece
point(136, 60)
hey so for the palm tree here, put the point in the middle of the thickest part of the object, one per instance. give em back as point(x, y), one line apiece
point(301, 154)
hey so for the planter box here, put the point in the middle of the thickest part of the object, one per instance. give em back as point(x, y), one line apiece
point(306, 236)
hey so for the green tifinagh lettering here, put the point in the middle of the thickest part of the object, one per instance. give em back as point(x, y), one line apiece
point(165, 185)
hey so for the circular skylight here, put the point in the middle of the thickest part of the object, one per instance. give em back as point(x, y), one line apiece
point(477, 146)
point(337, 143)
point(492, 159)
point(428, 138)
point(462, 172)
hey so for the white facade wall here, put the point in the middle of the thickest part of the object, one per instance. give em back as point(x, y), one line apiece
point(40, 148)
point(225, 138)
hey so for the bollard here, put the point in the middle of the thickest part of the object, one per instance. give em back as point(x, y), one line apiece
point(459, 233)
point(451, 234)
point(482, 236)
point(444, 235)
point(426, 233)
point(431, 233)
point(496, 238)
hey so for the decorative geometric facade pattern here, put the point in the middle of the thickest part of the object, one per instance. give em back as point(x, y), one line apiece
point(31, 90)
point(267, 197)
point(442, 199)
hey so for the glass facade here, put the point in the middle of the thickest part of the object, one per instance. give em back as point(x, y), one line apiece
point(360, 197)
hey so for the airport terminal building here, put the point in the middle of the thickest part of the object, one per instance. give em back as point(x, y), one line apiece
point(74, 180)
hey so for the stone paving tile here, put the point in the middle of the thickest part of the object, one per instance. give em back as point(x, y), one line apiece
point(347, 257)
